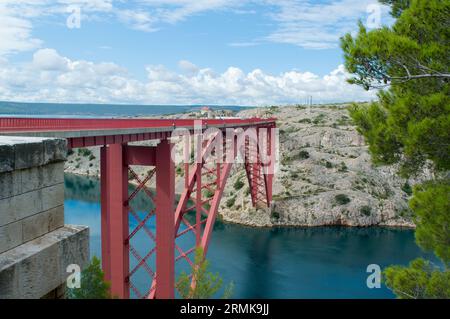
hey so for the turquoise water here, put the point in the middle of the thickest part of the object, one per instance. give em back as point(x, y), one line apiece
point(323, 262)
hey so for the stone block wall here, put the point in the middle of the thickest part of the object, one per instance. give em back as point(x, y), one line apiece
point(31, 189)
point(35, 245)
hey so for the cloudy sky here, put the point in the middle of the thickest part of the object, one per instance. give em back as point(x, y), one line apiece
point(224, 52)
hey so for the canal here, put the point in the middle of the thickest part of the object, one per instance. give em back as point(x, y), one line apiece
point(321, 262)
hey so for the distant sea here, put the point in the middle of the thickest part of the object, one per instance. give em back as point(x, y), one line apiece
point(16, 109)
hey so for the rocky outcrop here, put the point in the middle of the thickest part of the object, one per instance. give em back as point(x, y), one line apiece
point(325, 176)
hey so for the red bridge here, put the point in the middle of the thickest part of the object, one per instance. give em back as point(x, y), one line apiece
point(217, 143)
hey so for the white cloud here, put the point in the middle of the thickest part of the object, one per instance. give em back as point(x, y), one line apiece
point(188, 67)
point(49, 60)
point(15, 32)
point(54, 78)
point(138, 20)
point(313, 25)
point(305, 23)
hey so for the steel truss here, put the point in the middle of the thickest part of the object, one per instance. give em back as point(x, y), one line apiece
point(194, 216)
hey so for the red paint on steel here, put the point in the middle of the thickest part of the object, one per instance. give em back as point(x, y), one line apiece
point(117, 187)
point(15, 124)
point(165, 232)
point(140, 155)
point(116, 157)
point(105, 228)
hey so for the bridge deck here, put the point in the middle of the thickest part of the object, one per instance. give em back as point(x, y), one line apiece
point(92, 132)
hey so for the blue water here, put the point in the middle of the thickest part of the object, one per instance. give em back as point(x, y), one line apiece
point(323, 262)
point(96, 110)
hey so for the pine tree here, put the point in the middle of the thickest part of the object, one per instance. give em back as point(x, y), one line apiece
point(204, 284)
point(410, 125)
point(93, 285)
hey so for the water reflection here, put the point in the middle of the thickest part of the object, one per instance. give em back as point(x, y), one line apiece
point(321, 262)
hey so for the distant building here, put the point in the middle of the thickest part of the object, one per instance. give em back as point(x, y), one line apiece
point(205, 111)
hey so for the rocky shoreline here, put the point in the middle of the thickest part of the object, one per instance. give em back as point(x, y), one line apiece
point(325, 175)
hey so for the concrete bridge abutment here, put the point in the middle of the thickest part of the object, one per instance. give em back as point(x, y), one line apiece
point(35, 245)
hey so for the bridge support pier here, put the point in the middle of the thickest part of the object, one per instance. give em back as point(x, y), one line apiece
point(165, 233)
point(115, 219)
point(115, 160)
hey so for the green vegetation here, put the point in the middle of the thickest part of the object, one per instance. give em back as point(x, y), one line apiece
point(207, 284)
point(301, 155)
point(209, 193)
point(84, 152)
point(365, 210)
point(319, 119)
point(431, 205)
point(342, 199)
point(275, 215)
point(419, 280)
point(328, 164)
point(238, 184)
point(410, 125)
point(344, 121)
point(230, 201)
point(305, 121)
point(91, 157)
point(93, 285)
point(407, 188)
point(342, 167)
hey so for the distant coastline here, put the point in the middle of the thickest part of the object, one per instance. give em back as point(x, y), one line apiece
point(64, 110)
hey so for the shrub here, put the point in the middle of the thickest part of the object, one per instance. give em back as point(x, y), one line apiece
point(304, 121)
point(92, 284)
point(84, 152)
point(238, 184)
point(209, 193)
point(407, 189)
point(91, 157)
point(294, 175)
point(275, 215)
point(342, 199)
point(303, 154)
point(207, 284)
point(230, 201)
point(342, 167)
point(365, 210)
point(319, 119)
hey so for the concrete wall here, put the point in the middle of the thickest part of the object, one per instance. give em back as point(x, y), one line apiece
point(35, 245)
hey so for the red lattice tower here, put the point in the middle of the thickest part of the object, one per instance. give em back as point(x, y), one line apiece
point(142, 263)
point(148, 270)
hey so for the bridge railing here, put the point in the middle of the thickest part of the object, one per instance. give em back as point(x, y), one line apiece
point(12, 124)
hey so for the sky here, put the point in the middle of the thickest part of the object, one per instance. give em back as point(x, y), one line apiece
point(218, 52)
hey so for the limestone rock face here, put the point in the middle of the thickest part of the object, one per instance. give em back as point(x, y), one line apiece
point(325, 176)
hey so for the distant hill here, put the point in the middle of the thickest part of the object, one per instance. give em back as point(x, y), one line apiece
point(97, 110)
